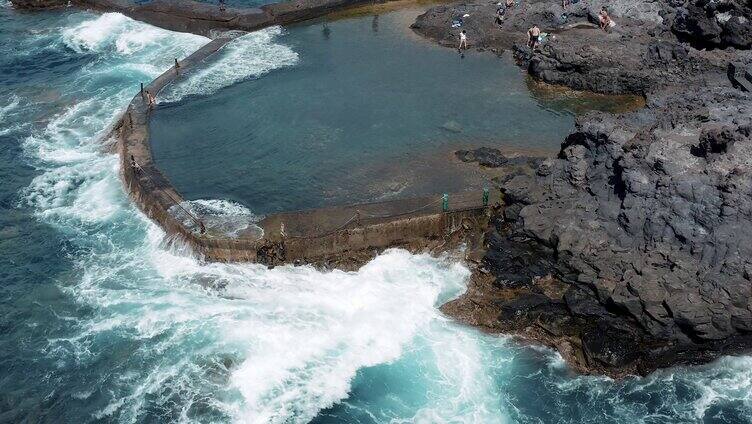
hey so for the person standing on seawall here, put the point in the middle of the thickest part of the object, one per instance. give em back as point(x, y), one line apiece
point(150, 100)
point(463, 40)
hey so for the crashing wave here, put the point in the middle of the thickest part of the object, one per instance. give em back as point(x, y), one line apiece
point(247, 56)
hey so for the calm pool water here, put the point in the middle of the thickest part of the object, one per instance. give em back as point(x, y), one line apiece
point(354, 110)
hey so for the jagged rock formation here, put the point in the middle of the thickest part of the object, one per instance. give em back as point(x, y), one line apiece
point(719, 24)
point(632, 249)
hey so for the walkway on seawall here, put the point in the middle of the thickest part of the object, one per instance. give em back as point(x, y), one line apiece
point(339, 236)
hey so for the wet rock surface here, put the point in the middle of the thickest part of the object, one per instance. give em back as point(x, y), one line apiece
point(38, 4)
point(632, 248)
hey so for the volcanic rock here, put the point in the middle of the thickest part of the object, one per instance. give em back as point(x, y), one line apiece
point(632, 249)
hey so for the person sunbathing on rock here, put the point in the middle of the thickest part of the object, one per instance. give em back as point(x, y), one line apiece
point(605, 20)
point(533, 34)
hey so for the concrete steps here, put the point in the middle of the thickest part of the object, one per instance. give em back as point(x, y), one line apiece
point(740, 76)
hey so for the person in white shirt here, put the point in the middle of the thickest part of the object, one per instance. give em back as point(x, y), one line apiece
point(463, 40)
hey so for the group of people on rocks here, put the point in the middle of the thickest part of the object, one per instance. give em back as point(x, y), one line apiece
point(534, 33)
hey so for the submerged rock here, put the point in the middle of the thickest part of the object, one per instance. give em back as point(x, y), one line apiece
point(452, 126)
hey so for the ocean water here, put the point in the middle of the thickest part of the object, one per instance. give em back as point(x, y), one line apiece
point(100, 322)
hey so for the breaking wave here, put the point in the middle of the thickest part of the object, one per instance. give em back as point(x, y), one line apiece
point(119, 34)
point(247, 56)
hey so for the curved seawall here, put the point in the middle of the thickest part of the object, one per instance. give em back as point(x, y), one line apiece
point(339, 235)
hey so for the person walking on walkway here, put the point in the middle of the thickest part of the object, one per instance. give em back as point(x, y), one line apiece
point(151, 100)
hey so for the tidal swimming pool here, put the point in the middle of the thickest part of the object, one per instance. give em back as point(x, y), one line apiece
point(356, 109)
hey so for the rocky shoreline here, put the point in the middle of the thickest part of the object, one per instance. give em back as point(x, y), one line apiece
point(632, 249)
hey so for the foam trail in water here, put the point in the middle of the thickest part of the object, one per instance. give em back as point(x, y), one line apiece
point(6, 113)
point(465, 389)
point(247, 56)
point(5, 110)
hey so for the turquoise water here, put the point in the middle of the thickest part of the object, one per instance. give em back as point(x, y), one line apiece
point(358, 110)
point(102, 323)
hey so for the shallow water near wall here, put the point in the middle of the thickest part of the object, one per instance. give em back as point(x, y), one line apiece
point(102, 323)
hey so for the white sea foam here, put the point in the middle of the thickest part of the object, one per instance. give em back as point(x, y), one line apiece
point(117, 32)
point(247, 56)
point(7, 109)
point(219, 216)
point(78, 181)
point(468, 393)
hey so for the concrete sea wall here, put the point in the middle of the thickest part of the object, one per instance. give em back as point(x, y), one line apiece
point(333, 235)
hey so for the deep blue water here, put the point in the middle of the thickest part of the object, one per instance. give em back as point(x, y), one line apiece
point(101, 323)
